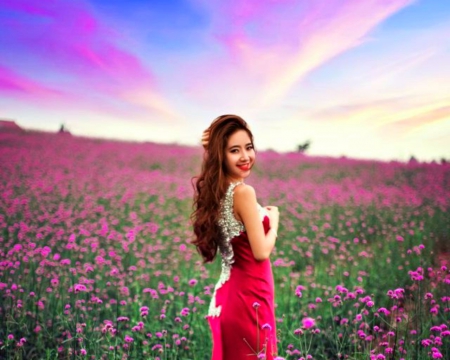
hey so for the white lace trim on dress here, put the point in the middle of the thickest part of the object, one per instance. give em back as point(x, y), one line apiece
point(230, 228)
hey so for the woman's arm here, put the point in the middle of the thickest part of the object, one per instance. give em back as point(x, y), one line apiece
point(245, 205)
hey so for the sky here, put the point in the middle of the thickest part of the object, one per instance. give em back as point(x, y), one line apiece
point(363, 79)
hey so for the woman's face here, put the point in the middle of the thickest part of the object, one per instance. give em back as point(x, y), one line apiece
point(239, 156)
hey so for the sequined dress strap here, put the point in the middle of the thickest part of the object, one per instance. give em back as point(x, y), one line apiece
point(230, 227)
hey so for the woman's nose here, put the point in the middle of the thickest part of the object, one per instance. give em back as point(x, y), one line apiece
point(244, 156)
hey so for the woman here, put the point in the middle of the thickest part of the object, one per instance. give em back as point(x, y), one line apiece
point(227, 218)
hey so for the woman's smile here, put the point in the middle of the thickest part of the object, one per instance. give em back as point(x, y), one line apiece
point(244, 167)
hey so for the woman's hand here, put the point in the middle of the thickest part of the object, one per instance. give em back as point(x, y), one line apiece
point(274, 216)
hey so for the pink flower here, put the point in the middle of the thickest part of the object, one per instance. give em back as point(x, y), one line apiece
point(79, 287)
point(308, 322)
point(415, 275)
point(384, 311)
point(184, 312)
point(426, 342)
point(128, 339)
point(341, 289)
point(17, 247)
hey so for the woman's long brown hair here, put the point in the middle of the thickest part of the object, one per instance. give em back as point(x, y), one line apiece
point(210, 186)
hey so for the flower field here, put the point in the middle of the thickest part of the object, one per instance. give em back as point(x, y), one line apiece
point(96, 261)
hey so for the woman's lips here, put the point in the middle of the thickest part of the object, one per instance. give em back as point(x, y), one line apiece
point(244, 167)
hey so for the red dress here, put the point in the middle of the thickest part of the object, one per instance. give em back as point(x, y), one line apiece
point(241, 314)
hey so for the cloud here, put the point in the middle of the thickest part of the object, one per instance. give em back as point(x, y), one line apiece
point(387, 117)
point(68, 45)
point(270, 46)
point(418, 119)
point(20, 86)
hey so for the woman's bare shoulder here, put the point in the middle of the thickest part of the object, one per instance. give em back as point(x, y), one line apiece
point(244, 193)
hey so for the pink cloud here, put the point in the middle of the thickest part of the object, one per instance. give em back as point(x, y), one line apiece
point(272, 45)
point(68, 36)
point(23, 87)
point(392, 117)
point(67, 44)
point(418, 118)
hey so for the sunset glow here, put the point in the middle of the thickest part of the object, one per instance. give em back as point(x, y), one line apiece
point(360, 79)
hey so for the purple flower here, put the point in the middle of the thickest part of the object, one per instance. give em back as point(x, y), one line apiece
point(384, 311)
point(79, 287)
point(341, 289)
point(298, 290)
point(308, 322)
point(184, 312)
point(128, 339)
point(436, 354)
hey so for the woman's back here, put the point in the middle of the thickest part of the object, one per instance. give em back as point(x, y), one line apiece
point(241, 314)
